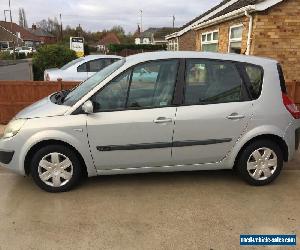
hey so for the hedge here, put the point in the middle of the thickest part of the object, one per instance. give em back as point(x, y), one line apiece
point(146, 47)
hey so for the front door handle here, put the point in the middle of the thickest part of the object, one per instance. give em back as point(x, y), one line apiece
point(235, 116)
point(160, 120)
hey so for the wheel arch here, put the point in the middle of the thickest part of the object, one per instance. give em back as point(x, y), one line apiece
point(44, 143)
point(277, 139)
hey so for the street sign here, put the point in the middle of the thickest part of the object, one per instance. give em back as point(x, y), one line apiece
point(77, 44)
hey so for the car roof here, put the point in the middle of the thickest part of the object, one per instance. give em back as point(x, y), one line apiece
point(149, 56)
point(93, 57)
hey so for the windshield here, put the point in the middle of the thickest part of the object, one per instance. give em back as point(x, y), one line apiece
point(85, 87)
point(68, 65)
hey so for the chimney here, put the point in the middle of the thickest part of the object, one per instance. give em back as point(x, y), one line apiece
point(33, 26)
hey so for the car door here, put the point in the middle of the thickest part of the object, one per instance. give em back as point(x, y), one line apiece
point(133, 120)
point(214, 114)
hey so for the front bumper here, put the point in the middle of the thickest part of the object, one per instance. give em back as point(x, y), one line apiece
point(6, 156)
point(9, 154)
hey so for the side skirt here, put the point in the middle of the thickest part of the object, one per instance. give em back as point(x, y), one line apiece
point(175, 168)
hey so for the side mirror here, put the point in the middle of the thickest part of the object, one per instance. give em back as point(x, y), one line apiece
point(88, 107)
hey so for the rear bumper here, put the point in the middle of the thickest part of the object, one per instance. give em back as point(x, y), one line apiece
point(297, 138)
point(292, 138)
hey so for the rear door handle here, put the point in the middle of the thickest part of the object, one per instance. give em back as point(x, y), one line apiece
point(160, 120)
point(235, 116)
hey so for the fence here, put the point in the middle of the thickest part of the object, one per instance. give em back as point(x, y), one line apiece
point(15, 95)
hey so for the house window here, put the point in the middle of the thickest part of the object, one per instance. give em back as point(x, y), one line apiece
point(235, 39)
point(210, 41)
point(173, 44)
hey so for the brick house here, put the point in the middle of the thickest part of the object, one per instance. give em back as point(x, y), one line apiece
point(43, 36)
point(7, 39)
point(268, 28)
point(22, 34)
point(106, 40)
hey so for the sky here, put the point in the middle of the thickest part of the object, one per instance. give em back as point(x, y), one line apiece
point(96, 15)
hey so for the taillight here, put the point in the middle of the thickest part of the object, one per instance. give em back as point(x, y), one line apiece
point(291, 106)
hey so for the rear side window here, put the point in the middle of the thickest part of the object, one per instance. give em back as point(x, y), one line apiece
point(281, 78)
point(255, 75)
point(212, 82)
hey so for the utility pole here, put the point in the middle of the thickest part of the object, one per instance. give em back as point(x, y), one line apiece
point(11, 28)
point(174, 21)
point(61, 28)
point(141, 11)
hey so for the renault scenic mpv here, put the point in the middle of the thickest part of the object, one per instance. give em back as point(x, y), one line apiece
point(159, 112)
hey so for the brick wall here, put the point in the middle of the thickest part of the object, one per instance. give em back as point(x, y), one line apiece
point(277, 35)
point(224, 34)
point(16, 95)
point(187, 42)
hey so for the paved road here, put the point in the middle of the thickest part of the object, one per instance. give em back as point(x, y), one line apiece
point(199, 210)
point(20, 71)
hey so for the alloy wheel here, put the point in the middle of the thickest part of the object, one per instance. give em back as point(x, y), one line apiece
point(55, 169)
point(262, 164)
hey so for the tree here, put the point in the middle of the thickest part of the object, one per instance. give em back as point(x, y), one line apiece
point(118, 30)
point(22, 18)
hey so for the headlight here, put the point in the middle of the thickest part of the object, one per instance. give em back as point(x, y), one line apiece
point(13, 127)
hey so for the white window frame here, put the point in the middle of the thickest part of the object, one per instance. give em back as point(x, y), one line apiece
point(230, 40)
point(173, 44)
point(211, 41)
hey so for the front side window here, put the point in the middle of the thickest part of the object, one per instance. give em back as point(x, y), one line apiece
point(153, 84)
point(235, 39)
point(85, 87)
point(148, 85)
point(211, 82)
point(97, 65)
point(112, 96)
point(82, 68)
point(210, 41)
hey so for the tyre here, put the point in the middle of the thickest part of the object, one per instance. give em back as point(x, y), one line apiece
point(56, 168)
point(260, 162)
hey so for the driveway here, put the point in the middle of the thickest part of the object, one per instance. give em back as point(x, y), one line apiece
point(19, 71)
point(193, 210)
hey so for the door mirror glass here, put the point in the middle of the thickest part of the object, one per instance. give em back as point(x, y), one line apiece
point(88, 107)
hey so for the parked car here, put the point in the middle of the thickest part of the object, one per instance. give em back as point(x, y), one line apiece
point(203, 111)
point(19, 50)
point(81, 68)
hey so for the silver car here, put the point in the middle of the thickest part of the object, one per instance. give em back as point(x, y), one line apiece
point(197, 111)
point(81, 68)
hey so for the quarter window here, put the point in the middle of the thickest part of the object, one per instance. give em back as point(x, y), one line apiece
point(235, 39)
point(210, 82)
point(209, 41)
point(255, 75)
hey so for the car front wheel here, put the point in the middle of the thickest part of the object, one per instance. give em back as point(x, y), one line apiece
point(260, 162)
point(56, 168)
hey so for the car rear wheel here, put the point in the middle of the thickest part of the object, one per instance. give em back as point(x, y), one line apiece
point(260, 162)
point(56, 168)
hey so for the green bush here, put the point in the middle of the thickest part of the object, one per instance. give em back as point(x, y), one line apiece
point(5, 55)
point(146, 47)
point(50, 56)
